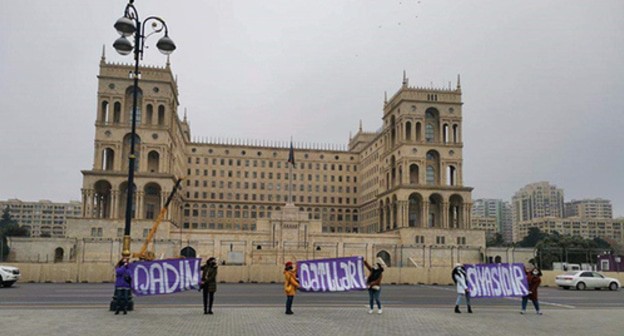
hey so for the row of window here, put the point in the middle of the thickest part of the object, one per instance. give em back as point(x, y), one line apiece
point(269, 186)
point(278, 164)
point(270, 198)
point(269, 175)
point(440, 240)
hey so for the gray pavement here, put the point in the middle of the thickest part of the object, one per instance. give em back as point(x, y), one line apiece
point(333, 321)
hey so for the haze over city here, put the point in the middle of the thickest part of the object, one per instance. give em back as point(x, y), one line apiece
point(541, 82)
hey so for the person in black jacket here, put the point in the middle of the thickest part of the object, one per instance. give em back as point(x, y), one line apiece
point(209, 283)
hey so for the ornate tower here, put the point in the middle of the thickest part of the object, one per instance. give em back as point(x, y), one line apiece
point(159, 143)
point(420, 173)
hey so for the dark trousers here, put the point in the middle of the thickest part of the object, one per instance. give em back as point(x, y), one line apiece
point(525, 300)
point(122, 295)
point(373, 296)
point(289, 301)
point(208, 304)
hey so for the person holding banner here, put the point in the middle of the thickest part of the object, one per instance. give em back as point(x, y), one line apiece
point(123, 280)
point(209, 283)
point(373, 283)
point(459, 277)
point(534, 280)
point(290, 285)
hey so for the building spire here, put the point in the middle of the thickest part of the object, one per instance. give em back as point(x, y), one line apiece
point(168, 64)
point(184, 115)
point(405, 81)
point(103, 59)
point(385, 97)
point(360, 125)
point(458, 82)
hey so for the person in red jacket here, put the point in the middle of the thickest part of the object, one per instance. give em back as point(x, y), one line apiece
point(533, 280)
point(290, 285)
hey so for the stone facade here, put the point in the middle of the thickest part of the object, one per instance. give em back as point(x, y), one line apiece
point(397, 193)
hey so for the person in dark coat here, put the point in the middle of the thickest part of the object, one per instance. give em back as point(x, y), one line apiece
point(533, 280)
point(123, 280)
point(209, 283)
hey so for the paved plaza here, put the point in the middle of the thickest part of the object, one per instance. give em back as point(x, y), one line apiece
point(333, 321)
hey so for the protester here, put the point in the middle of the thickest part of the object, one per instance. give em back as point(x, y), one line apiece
point(534, 280)
point(122, 286)
point(459, 277)
point(373, 282)
point(290, 285)
point(208, 283)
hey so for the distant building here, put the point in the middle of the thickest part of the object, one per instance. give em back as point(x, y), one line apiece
point(583, 227)
point(493, 215)
point(589, 208)
point(537, 200)
point(42, 217)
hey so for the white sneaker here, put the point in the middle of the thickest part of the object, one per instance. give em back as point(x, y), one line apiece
point(379, 312)
point(539, 313)
point(370, 311)
point(522, 312)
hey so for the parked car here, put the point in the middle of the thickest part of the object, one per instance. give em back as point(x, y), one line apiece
point(586, 279)
point(9, 275)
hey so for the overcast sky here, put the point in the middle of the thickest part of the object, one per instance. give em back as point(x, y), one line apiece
point(542, 81)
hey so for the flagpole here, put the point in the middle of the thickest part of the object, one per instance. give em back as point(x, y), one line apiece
point(291, 176)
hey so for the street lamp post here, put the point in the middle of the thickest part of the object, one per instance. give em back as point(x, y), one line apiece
point(126, 26)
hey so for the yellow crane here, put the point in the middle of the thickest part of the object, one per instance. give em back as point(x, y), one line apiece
point(144, 254)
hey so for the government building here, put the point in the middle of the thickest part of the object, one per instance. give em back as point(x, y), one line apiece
point(397, 193)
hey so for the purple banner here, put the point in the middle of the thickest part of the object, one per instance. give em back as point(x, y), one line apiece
point(165, 276)
point(496, 280)
point(331, 275)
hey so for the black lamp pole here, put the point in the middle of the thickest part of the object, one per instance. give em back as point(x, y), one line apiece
point(128, 25)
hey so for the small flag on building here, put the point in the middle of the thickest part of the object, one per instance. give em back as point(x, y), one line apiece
point(291, 154)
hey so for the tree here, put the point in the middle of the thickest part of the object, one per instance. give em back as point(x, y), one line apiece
point(9, 228)
point(532, 238)
point(495, 240)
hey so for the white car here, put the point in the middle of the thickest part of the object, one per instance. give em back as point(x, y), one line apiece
point(586, 279)
point(9, 275)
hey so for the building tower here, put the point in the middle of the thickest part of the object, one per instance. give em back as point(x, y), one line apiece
point(419, 161)
point(159, 134)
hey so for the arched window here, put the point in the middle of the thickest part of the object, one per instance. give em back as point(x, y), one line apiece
point(188, 252)
point(58, 254)
point(161, 115)
point(102, 200)
point(432, 124)
point(130, 104)
point(153, 161)
point(432, 170)
point(415, 208)
point(117, 113)
point(430, 175)
point(385, 256)
point(445, 133)
point(104, 112)
point(149, 115)
point(451, 176)
point(455, 133)
point(413, 174)
point(408, 131)
point(137, 151)
point(429, 133)
point(108, 159)
point(418, 132)
point(152, 200)
point(392, 131)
